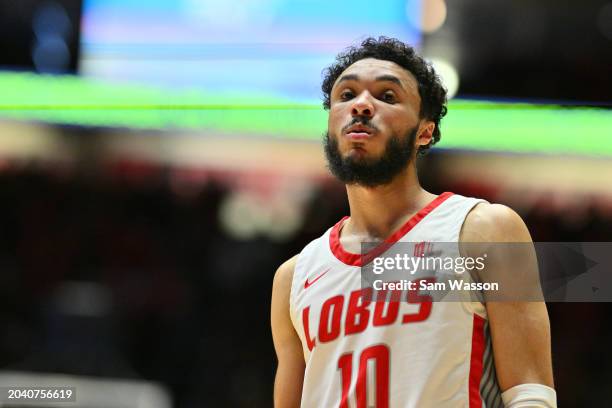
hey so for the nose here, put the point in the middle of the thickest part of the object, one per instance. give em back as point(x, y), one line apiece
point(363, 106)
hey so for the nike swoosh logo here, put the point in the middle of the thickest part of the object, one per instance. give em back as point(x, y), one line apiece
point(308, 284)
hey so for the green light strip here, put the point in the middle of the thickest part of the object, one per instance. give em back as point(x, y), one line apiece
point(468, 125)
point(33, 107)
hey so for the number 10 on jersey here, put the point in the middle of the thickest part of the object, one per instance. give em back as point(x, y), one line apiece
point(379, 355)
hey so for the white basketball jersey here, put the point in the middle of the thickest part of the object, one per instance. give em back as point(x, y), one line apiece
point(410, 352)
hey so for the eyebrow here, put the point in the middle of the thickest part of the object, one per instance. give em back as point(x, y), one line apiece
point(386, 78)
point(390, 78)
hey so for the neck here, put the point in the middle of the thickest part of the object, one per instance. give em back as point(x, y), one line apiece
point(376, 212)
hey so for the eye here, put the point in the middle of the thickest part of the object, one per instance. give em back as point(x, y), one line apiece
point(389, 97)
point(346, 95)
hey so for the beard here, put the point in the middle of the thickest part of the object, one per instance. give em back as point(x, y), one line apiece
point(371, 172)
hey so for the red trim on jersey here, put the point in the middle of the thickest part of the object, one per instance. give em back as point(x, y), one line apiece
point(478, 346)
point(356, 259)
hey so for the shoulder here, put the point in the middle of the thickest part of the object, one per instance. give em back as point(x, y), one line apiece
point(284, 275)
point(494, 223)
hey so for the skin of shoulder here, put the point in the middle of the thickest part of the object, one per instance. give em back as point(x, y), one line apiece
point(494, 223)
point(290, 369)
point(284, 275)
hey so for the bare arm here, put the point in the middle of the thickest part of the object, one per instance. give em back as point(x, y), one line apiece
point(520, 329)
point(290, 369)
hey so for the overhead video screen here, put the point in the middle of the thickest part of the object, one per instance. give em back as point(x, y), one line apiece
point(267, 47)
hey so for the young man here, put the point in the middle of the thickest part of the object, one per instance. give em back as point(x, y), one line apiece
point(338, 348)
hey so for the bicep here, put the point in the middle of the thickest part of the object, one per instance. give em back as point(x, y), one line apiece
point(290, 369)
point(520, 334)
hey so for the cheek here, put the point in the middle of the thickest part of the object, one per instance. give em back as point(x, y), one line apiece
point(335, 117)
point(398, 122)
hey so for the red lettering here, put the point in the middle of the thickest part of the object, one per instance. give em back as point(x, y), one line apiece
point(358, 307)
point(305, 321)
point(333, 307)
point(423, 300)
point(386, 311)
point(392, 302)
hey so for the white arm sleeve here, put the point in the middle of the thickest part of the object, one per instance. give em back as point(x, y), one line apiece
point(530, 396)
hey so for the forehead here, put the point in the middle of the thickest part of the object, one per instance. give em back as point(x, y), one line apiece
point(368, 69)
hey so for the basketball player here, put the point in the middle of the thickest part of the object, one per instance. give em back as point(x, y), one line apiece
point(336, 347)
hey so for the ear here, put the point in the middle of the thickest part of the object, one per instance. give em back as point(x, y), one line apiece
point(425, 133)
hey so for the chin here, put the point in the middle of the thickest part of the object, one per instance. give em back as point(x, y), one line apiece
point(360, 155)
point(356, 151)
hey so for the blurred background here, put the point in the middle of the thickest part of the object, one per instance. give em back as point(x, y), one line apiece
point(160, 159)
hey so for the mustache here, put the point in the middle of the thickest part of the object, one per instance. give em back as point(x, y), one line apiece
point(363, 120)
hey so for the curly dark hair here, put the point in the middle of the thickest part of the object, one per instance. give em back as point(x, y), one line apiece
point(431, 90)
